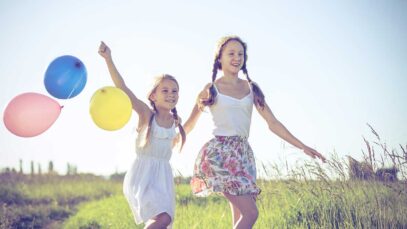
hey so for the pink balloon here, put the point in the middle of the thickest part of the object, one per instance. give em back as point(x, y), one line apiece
point(30, 114)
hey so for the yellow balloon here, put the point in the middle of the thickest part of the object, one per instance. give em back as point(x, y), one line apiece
point(110, 108)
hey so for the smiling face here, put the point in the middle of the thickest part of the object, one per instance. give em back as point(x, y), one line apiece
point(232, 57)
point(165, 95)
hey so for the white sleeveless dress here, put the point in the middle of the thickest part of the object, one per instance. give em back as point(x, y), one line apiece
point(149, 184)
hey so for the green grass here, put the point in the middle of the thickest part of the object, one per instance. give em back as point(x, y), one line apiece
point(283, 204)
point(94, 202)
point(307, 197)
point(73, 190)
point(45, 201)
point(112, 212)
point(295, 204)
point(99, 203)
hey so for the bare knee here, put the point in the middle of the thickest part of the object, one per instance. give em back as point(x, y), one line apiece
point(251, 214)
point(162, 220)
point(247, 208)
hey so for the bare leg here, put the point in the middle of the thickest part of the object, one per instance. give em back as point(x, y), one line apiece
point(247, 208)
point(161, 221)
point(235, 213)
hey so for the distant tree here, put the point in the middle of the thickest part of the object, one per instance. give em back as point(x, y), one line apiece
point(117, 176)
point(21, 166)
point(39, 169)
point(364, 171)
point(50, 167)
point(387, 174)
point(68, 169)
point(71, 169)
point(32, 168)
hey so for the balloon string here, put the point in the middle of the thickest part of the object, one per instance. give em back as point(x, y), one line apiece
point(75, 86)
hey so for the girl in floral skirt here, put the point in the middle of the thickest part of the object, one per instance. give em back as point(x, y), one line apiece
point(226, 163)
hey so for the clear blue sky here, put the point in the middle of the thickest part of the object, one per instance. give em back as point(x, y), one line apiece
point(326, 67)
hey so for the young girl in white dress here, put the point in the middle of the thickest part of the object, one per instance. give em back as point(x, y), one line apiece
point(148, 184)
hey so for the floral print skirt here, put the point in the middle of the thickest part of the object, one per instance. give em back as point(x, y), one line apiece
point(225, 164)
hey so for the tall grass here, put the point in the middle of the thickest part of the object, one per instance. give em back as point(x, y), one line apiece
point(310, 196)
point(326, 197)
point(283, 204)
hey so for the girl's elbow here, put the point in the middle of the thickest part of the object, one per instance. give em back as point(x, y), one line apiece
point(188, 128)
point(274, 125)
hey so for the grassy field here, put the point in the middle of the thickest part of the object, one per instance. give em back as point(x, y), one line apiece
point(310, 196)
point(46, 201)
point(94, 202)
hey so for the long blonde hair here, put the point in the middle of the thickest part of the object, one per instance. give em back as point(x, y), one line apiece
point(258, 94)
point(174, 112)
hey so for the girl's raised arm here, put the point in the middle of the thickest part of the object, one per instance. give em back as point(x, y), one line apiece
point(139, 106)
point(197, 110)
point(280, 130)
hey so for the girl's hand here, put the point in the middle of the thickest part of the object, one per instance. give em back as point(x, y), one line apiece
point(313, 153)
point(104, 50)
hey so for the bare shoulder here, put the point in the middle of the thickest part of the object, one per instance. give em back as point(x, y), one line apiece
point(245, 83)
point(145, 119)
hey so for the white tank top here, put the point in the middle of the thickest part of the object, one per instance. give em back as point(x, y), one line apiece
point(232, 116)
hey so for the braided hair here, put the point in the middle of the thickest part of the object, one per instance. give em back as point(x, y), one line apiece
point(173, 111)
point(258, 94)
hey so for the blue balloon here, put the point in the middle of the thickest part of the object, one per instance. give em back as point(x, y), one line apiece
point(65, 77)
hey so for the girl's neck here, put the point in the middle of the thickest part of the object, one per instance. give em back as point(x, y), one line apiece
point(230, 78)
point(163, 114)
